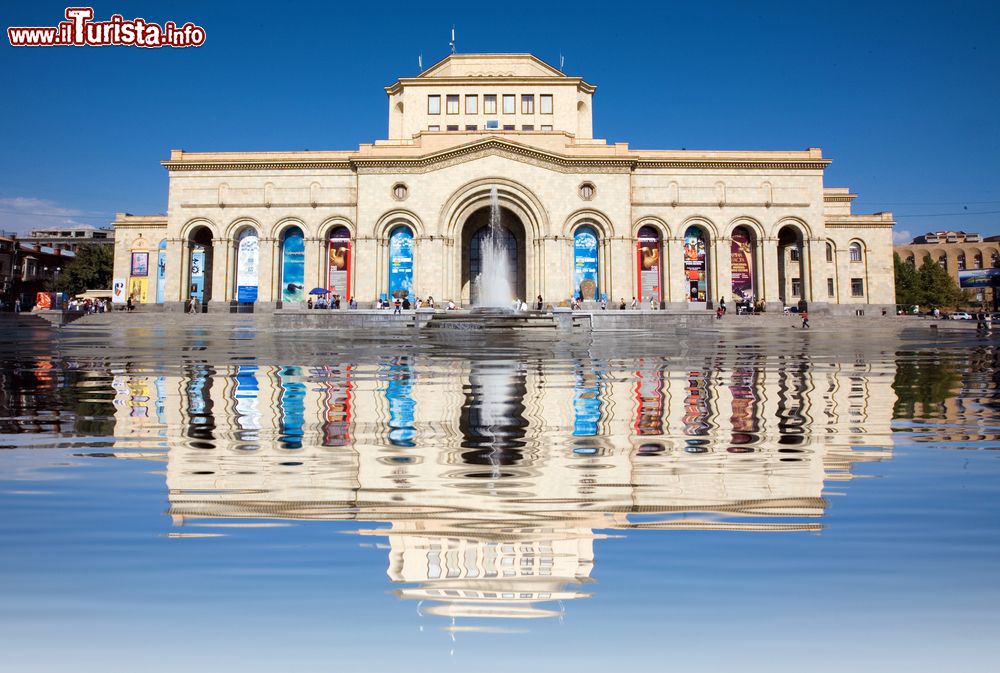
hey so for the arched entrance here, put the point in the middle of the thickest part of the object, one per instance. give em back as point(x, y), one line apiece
point(338, 254)
point(200, 265)
point(743, 266)
point(649, 265)
point(696, 263)
point(475, 229)
point(247, 265)
point(791, 280)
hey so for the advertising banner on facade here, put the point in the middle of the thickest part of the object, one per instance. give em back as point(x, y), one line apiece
point(742, 266)
point(585, 264)
point(198, 273)
point(649, 267)
point(338, 280)
point(247, 257)
point(118, 291)
point(694, 265)
point(137, 289)
point(140, 264)
point(161, 276)
point(43, 301)
point(974, 278)
point(293, 266)
point(401, 263)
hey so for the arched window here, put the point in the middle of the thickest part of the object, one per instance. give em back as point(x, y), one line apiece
point(855, 252)
point(829, 252)
point(911, 260)
point(977, 261)
point(943, 261)
point(696, 264)
point(585, 270)
point(293, 265)
point(960, 261)
point(995, 259)
point(247, 265)
point(338, 255)
point(401, 262)
point(649, 264)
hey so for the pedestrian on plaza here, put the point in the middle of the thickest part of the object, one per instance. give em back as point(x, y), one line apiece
point(128, 304)
point(722, 305)
point(353, 303)
point(398, 306)
point(17, 305)
point(621, 304)
point(805, 319)
point(652, 304)
point(634, 305)
point(406, 303)
point(718, 313)
point(538, 303)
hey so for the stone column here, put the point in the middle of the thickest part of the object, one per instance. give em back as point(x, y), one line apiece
point(174, 294)
point(310, 276)
point(265, 271)
point(220, 274)
point(723, 257)
point(621, 269)
point(770, 284)
point(676, 292)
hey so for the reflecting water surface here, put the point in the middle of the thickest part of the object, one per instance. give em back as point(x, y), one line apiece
point(413, 505)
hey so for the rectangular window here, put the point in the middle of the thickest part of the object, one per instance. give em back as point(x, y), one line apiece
point(490, 104)
point(545, 104)
point(527, 104)
point(794, 255)
point(434, 105)
point(492, 124)
point(452, 127)
point(857, 287)
point(546, 127)
point(434, 127)
point(471, 127)
point(452, 105)
point(829, 287)
point(471, 105)
point(508, 103)
point(796, 287)
point(508, 127)
point(527, 127)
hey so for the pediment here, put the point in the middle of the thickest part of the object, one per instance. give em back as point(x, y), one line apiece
point(490, 65)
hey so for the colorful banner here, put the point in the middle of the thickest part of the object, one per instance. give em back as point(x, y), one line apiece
point(650, 401)
point(695, 267)
point(292, 403)
point(648, 264)
point(247, 391)
point(586, 403)
point(137, 290)
point(247, 258)
point(585, 282)
point(293, 266)
point(118, 291)
point(198, 273)
point(339, 258)
point(742, 266)
point(43, 301)
point(401, 263)
point(140, 264)
point(974, 278)
point(161, 273)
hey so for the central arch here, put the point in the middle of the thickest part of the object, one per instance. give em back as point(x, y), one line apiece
point(473, 232)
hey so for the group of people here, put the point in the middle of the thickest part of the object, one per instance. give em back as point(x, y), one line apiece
point(399, 305)
point(332, 303)
point(88, 305)
point(984, 320)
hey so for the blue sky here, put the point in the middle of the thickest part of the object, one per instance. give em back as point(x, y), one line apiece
point(904, 97)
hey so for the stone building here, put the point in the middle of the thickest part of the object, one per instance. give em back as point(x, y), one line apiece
point(678, 229)
point(955, 251)
point(63, 238)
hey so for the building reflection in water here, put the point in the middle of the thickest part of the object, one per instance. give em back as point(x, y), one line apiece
point(497, 477)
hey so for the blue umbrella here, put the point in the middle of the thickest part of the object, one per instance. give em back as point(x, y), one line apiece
point(319, 290)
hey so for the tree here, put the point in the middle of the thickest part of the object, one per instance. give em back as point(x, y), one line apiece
point(935, 288)
point(906, 282)
point(90, 269)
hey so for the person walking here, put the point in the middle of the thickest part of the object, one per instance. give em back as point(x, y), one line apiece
point(17, 305)
point(538, 303)
point(722, 305)
point(634, 305)
point(805, 319)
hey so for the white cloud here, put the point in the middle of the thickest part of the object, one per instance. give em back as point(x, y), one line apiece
point(901, 236)
point(22, 214)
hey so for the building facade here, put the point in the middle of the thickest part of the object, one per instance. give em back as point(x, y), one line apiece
point(955, 251)
point(677, 229)
point(72, 239)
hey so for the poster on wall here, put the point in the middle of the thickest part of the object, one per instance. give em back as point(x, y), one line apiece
point(694, 265)
point(161, 276)
point(247, 257)
point(401, 263)
point(118, 291)
point(198, 273)
point(137, 289)
point(649, 267)
point(742, 266)
point(140, 264)
point(339, 273)
point(293, 266)
point(585, 264)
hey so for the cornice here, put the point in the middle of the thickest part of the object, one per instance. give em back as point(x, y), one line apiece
point(765, 164)
point(254, 165)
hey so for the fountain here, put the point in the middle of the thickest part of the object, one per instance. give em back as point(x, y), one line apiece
point(494, 280)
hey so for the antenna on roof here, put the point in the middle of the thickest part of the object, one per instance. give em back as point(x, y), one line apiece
point(562, 61)
point(452, 43)
point(420, 62)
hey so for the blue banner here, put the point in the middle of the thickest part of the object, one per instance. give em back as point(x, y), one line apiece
point(401, 263)
point(247, 253)
point(402, 408)
point(979, 278)
point(585, 264)
point(291, 430)
point(198, 273)
point(293, 265)
point(161, 273)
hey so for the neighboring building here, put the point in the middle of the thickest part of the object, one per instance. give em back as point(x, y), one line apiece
point(63, 238)
point(582, 217)
point(955, 251)
point(27, 268)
